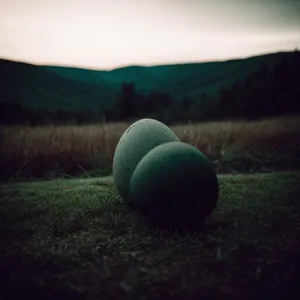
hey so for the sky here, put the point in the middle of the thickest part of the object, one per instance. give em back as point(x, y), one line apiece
point(106, 34)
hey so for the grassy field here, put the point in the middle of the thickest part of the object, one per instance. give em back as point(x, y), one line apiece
point(76, 239)
point(69, 150)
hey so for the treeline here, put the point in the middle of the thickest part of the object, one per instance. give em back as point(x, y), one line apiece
point(265, 92)
point(12, 114)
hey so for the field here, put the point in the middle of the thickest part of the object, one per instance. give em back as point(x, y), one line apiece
point(72, 236)
point(69, 150)
point(76, 239)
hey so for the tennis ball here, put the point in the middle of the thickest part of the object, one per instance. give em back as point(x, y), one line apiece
point(174, 184)
point(141, 137)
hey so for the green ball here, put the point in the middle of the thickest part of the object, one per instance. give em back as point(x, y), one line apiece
point(174, 184)
point(141, 137)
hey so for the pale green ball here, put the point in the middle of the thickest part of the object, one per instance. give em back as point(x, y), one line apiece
point(141, 137)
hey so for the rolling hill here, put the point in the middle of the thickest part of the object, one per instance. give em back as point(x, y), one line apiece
point(38, 87)
point(53, 87)
point(179, 79)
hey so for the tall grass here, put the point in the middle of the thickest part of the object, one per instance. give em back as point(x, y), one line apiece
point(47, 151)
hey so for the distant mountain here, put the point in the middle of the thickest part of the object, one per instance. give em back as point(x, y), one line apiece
point(179, 80)
point(38, 87)
point(145, 78)
point(66, 88)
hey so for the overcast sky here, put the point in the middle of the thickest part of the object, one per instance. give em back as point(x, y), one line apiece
point(104, 34)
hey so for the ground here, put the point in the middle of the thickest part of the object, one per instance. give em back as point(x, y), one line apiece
point(77, 239)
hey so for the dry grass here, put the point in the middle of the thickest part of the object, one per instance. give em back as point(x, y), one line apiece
point(57, 150)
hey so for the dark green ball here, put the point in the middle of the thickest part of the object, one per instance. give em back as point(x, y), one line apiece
point(174, 184)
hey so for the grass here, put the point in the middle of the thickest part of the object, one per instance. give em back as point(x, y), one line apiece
point(66, 151)
point(77, 239)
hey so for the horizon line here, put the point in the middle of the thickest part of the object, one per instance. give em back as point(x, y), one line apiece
point(147, 65)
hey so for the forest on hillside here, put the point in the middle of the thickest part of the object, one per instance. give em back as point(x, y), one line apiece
point(267, 91)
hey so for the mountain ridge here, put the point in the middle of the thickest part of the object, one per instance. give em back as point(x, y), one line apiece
point(71, 88)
